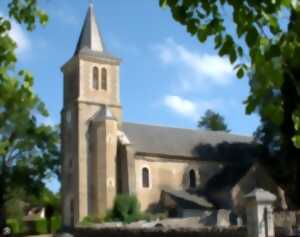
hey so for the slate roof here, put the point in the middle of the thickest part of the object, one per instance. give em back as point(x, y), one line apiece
point(227, 178)
point(232, 175)
point(90, 35)
point(218, 189)
point(177, 141)
point(187, 200)
point(91, 42)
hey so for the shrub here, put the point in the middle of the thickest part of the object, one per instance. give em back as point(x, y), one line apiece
point(55, 223)
point(109, 216)
point(32, 227)
point(126, 208)
point(90, 220)
point(152, 217)
point(40, 226)
point(87, 220)
point(15, 206)
point(14, 225)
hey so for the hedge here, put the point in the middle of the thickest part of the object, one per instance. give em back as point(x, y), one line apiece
point(14, 225)
point(38, 226)
point(55, 223)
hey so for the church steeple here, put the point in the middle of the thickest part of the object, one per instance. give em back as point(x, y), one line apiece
point(92, 111)
point(90, 36)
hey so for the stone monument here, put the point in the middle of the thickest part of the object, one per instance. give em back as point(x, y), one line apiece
point(260, 218)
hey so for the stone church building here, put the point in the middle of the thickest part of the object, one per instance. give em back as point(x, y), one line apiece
point(104, 155)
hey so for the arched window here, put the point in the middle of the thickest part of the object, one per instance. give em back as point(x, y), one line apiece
point(145, 177)
point(192, 179)
point(104, 79)
point(95, 78)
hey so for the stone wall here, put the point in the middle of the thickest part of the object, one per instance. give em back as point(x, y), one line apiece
point(286, 218)
point(161, 232)
point(171, 174)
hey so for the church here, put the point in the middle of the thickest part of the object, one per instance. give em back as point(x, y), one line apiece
point(103, 156)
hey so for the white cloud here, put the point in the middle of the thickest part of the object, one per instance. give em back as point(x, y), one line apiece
point(19, 36)
point(181, 106)
point(48, 121)
point(195, 70)
point(188, 108)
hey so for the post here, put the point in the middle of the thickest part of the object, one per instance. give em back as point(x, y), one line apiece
point(260, 218)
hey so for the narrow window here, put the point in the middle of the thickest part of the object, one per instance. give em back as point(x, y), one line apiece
point(95, 78)
point(192, 179)
point(145, 176)
point(104, 79)
point(72, 211)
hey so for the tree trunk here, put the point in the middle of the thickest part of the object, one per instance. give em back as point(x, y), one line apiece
point(2, 194)
point(291, 101)
point(292, 154)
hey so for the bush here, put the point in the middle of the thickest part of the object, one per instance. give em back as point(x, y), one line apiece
point(55, 223)
point(14, 225)
point(14, 206)
point(87, 220)
point(152, 217)
point(90, 220)
point(40, 226)
point(109, 216)
point(34, 227)
point(31, 227)
point(126, 208)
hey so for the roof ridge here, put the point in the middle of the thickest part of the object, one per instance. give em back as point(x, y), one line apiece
point(199, 131)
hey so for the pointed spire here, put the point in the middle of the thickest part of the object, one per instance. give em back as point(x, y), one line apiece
point(90, 36)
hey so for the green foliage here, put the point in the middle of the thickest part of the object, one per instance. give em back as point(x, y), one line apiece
point(126, 208)
point(253, 33)
point(40, 226)
point(18, 200)
point(109, 216)
point(55, 223)
point(27, 12)
point(14, 206)
point(34, 227)
point(262, 41)
point(112, 215)
point(46, 198)
point(153, 216)
point(87, 220)
point(213, 121)
point(14, 225)
point(29, 151)
point(90, 220)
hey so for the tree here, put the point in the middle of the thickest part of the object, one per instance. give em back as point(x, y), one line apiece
point(213, 121)
point(264, 43)
point(28, 150)
point(15, 204)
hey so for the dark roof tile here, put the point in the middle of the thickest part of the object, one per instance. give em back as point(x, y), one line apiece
point(176, 141)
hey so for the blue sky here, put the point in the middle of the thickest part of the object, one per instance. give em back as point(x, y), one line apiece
point(167, 77)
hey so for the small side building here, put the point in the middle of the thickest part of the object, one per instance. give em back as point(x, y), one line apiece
point(227, 189)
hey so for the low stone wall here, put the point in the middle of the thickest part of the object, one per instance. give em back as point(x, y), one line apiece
point(161, 232)
point(286, 218)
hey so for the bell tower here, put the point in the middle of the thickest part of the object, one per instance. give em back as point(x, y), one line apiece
point(91, 87)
